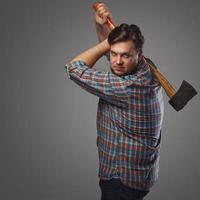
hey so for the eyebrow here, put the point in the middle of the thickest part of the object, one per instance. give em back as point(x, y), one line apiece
point(120, 53)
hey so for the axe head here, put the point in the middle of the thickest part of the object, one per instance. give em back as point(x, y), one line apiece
point(182, 96)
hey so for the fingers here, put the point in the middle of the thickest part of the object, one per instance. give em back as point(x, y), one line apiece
point(103, 11)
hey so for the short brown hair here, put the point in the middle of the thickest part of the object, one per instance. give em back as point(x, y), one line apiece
point(126, 32)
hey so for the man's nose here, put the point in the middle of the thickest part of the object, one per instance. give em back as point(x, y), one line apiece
point(119, 60)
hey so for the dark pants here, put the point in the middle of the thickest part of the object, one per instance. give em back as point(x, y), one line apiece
point(114, 190)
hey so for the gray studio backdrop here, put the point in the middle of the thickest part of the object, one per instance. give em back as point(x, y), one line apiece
point(48, 124)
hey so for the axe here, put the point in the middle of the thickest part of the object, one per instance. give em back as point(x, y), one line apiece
point(179, 98)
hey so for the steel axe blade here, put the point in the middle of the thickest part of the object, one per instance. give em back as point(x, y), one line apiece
point(182, 96)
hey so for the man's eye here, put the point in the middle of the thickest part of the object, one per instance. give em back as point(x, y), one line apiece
point(125, 56)
point(113, 54)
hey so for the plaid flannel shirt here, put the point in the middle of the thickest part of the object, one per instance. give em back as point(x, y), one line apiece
point(129, 119)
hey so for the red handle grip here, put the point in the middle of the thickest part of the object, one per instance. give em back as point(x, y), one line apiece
point(109, 22)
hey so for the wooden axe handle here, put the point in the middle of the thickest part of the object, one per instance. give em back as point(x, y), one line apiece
point(170, 91)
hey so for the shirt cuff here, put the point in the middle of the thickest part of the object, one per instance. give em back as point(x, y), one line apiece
point(78, 63)
point(75, 65)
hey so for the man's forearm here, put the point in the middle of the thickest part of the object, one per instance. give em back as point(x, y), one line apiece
point(91, 55)
point(102, 31)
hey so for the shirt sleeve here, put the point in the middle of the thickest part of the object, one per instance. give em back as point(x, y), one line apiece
point(105, 85)
point(115, 89)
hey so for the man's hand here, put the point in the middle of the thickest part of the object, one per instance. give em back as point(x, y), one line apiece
point(100, 18)
point(101, 15)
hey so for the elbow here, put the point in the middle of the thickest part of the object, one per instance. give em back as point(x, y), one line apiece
point(68, 64)
point(77, 58)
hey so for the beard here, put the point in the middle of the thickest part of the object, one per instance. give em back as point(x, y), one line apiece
point(113, 71)
point(123, 72)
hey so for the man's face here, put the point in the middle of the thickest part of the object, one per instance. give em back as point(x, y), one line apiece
point(123, 58)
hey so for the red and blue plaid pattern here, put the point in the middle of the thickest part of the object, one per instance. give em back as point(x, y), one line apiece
point(129, 119)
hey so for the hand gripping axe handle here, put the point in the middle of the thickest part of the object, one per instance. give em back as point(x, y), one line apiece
point(178, 99)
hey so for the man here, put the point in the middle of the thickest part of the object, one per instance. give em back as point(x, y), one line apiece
point(130, 110)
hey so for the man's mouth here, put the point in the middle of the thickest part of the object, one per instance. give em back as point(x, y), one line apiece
point(118, 69)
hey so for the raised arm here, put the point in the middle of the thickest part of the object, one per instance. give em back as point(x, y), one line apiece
point(91, 55)
point(100, 18)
